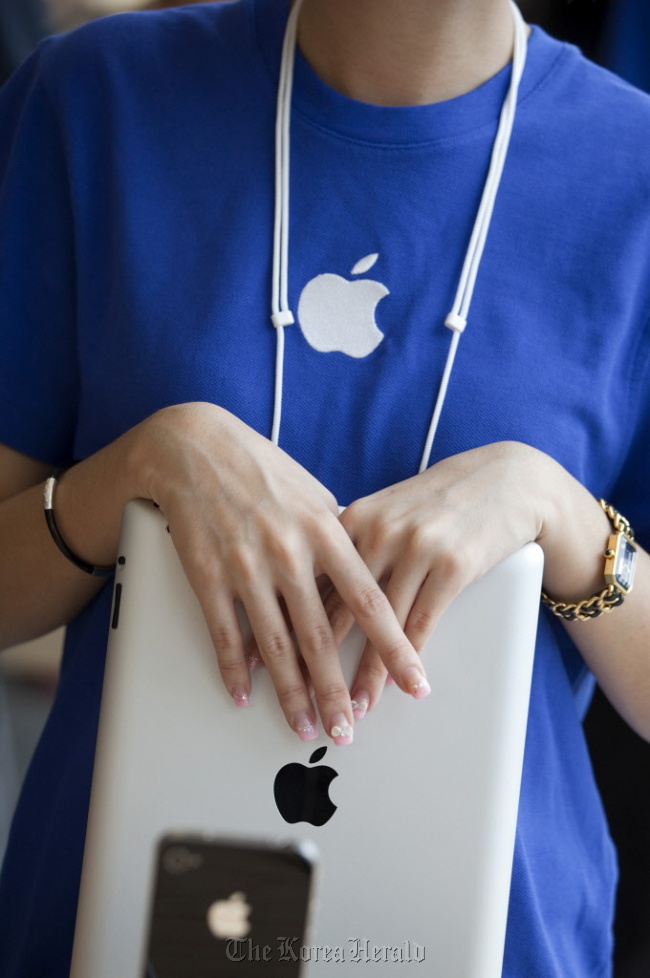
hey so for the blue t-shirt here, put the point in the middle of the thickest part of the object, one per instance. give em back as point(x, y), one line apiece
point(136, 206)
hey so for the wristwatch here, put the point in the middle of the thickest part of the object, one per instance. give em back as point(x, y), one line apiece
point(620, 560)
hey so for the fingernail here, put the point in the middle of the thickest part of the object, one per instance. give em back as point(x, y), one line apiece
point(252, 661)
point(416, 684)
point(240, 696)
point(341, 731)
point(304, 727)
point(360, 705)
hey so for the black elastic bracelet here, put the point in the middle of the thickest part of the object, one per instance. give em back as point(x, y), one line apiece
point(48, 507)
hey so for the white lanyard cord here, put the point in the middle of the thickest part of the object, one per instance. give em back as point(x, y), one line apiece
point(456, 320)
point(457, 317)
point(281, 314)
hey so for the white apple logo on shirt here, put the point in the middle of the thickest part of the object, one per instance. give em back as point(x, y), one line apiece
point(336, 314)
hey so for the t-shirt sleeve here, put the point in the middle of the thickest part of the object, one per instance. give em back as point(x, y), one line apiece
point(38, 361)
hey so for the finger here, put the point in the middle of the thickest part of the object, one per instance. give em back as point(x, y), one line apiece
point(339, 616)
point(253, 657)
point(450, 571)
point(371, 676)
point(278, 653)
point(321, 656)
point(324, 586)
point(252, 653)
point(436, 594)
point(371, 608)
point(305, 675)
point(369, 682)
point(226, 636)
point(215, 596)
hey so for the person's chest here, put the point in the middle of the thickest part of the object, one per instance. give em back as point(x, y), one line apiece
point(176, 303)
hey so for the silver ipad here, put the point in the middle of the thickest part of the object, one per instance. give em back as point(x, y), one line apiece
point(414, 822)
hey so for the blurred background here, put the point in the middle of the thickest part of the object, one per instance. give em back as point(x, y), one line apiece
point(614, 33)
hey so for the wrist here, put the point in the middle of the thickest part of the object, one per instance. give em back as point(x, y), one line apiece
point(618, 573)
point(574, 537)
point(91, 496)
point(167, 443)
point(141, 460)
point(93, 570)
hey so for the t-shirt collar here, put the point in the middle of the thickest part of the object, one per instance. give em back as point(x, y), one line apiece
point(328, 109)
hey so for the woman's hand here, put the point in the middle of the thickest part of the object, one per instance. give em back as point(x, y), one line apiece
point(251, 525)
point(427, 538)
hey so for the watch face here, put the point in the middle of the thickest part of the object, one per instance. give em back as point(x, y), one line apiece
point(624, 562)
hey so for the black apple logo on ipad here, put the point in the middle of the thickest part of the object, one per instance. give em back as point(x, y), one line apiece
point(302, 793)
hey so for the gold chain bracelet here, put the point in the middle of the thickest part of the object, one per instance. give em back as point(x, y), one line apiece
point(620, 559)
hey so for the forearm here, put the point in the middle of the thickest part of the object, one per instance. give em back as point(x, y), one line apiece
point(39, 588)
point(616, 647)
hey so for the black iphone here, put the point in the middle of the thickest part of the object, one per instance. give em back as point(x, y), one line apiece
point(224, 907)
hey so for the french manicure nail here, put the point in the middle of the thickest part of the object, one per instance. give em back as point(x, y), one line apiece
point(360, 705)
point(304, 727)
point(252, 661)
point(341, 730)
point(240, 696)
point(416, 684)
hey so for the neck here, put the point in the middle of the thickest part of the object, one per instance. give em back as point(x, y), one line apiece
point(405, 52)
